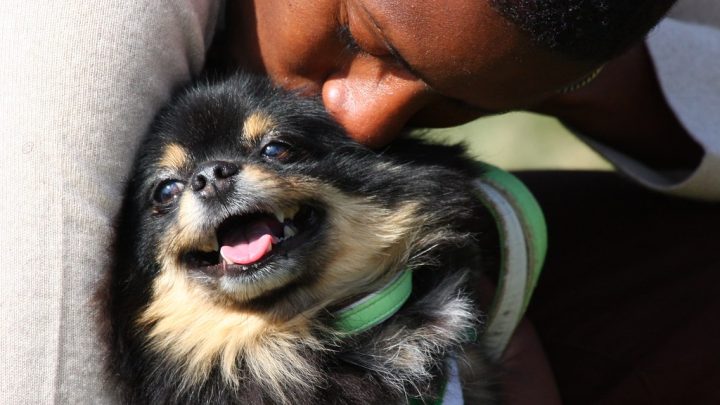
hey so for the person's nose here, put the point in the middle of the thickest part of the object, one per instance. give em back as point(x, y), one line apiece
point(372, 101)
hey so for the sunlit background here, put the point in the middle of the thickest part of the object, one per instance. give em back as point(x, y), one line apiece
point(517, 141)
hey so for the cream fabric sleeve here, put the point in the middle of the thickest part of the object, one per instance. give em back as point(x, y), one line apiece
point(81, 81)
point(685, 48)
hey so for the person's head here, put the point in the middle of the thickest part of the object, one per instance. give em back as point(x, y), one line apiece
point(381, 64)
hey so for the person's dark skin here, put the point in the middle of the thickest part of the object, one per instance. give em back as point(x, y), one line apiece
point(381, 66)
point(642, 124)
point(431, 66)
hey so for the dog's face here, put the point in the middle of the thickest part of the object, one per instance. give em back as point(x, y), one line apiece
point(249, 218)
point(265, 204)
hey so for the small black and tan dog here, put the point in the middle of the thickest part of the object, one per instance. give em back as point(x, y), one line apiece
point(250, 220)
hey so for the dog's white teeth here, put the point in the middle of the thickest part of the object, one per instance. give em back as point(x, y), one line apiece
point(287, 213)
point(289, 231)
point(280, 216)
point(290, 212)
point(225, 259)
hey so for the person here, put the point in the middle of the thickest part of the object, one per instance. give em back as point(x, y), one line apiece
point(89, 82)
point(381, 66)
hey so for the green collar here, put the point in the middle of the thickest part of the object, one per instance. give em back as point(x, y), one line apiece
point(523, 241)
point(523, 238)
point(375, 308)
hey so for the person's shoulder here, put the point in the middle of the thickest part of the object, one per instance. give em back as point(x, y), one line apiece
point(705, 12)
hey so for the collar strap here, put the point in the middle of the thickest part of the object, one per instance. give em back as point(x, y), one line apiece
point(523, 236)
point(375, 308)
point(523, 241)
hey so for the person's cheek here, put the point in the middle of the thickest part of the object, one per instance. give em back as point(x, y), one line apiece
point(373, 103)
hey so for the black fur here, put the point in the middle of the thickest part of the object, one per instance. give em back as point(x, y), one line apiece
point(207, 120)
point(588, 30)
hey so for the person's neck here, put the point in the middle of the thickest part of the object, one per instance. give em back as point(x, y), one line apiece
point(624, 108)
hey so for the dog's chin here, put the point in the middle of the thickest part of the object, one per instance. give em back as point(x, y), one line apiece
point(257, 253)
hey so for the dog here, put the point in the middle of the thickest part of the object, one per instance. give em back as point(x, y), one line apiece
point(252, 220)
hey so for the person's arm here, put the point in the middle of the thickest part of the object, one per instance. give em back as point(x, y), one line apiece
point(527, 376)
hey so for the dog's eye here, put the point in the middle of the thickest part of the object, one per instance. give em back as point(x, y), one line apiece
point(168, 191)
point(276, 150)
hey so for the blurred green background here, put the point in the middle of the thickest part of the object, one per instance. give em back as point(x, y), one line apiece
point(520, 140)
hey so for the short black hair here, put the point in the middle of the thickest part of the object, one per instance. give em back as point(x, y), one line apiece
point(586, 30)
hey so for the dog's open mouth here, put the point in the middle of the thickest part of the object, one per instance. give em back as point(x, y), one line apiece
point(249, 241)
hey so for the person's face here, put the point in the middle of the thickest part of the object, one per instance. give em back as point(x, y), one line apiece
point(380, 65)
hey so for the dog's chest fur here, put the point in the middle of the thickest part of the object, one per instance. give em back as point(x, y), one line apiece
point(177, 335)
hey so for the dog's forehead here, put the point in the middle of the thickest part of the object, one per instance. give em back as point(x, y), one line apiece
point(197, 133)
point(226, 124)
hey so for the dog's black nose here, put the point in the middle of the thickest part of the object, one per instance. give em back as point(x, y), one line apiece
point(214, 177)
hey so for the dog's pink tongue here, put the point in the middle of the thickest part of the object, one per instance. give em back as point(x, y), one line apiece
point(249, 244)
